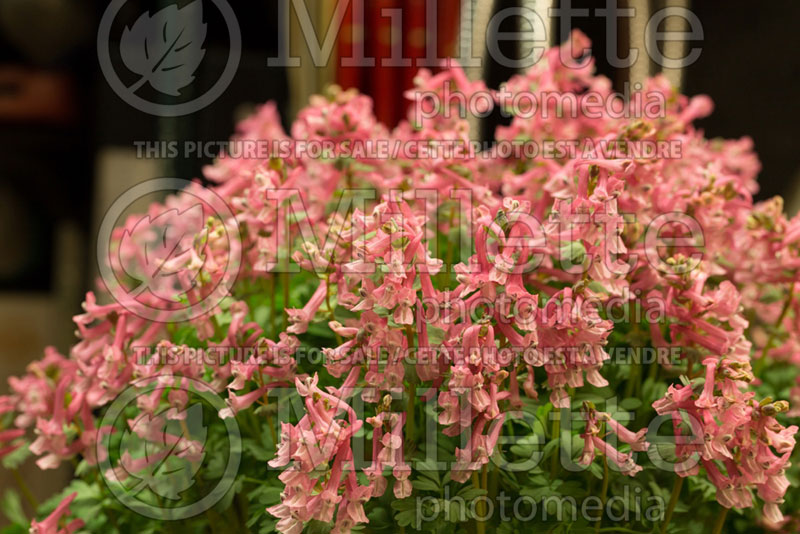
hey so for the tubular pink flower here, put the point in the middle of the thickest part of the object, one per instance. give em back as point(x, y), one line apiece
point(300, 318)
point(634, 439)
point(49, 525)
point(707, 399)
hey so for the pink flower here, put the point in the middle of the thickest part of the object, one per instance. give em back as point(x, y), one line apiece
point(634, 439)
point(300, 318)
point(546, 249)
point(593, 442)
point(50, 525)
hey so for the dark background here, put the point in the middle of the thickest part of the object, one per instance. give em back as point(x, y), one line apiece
point(748, 66)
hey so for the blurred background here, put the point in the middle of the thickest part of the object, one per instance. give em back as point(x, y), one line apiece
point(68, 141)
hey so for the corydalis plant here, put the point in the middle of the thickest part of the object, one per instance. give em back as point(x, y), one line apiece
point(408, 314)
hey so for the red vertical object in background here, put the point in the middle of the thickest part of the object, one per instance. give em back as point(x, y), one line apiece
point(386, 83)
point(348, 39)
point(435, 27)
point(414, 38)
point(448, 22)
point(384, 79)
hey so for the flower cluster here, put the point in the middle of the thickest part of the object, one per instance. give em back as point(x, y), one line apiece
point(412, 274)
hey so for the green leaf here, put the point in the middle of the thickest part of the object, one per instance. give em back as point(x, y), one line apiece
point(458, 511)
point(15, 459)
point(425, 484)
point(542, 488)
point(317, 527)
point(405, 518)
point(703, 486)
point(88, 504)
point(435, 335)
point(256, 450)
point(83, 468)
point(574, 251)
point(469, 494)
point(551, 448)
point(526, 446)
point(378, 517)
point(652, 390)
point(254, 517)
point(631, 404)
point(11, 506)
point(596, 470)
point(402, 505)
point(572, 488)
point(261, 314)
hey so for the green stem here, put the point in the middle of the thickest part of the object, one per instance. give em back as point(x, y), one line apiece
point(720, 521)
point(485, 487)
point(242, 504)
point(590, 484)
point(214, 521)
point(759, 365)
point(273, 314)
point(494, 482)
point(251, 424)
point(285, 273)
point(480, 526)
point(673, 500)
point(331, 314)
point(411, 427)
point(652, 373)
point(447, 268)
point(270, 423)
point(26, 492)
point(636, 364)
point(556, 434)
point(603, 493)
point(633, 378)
